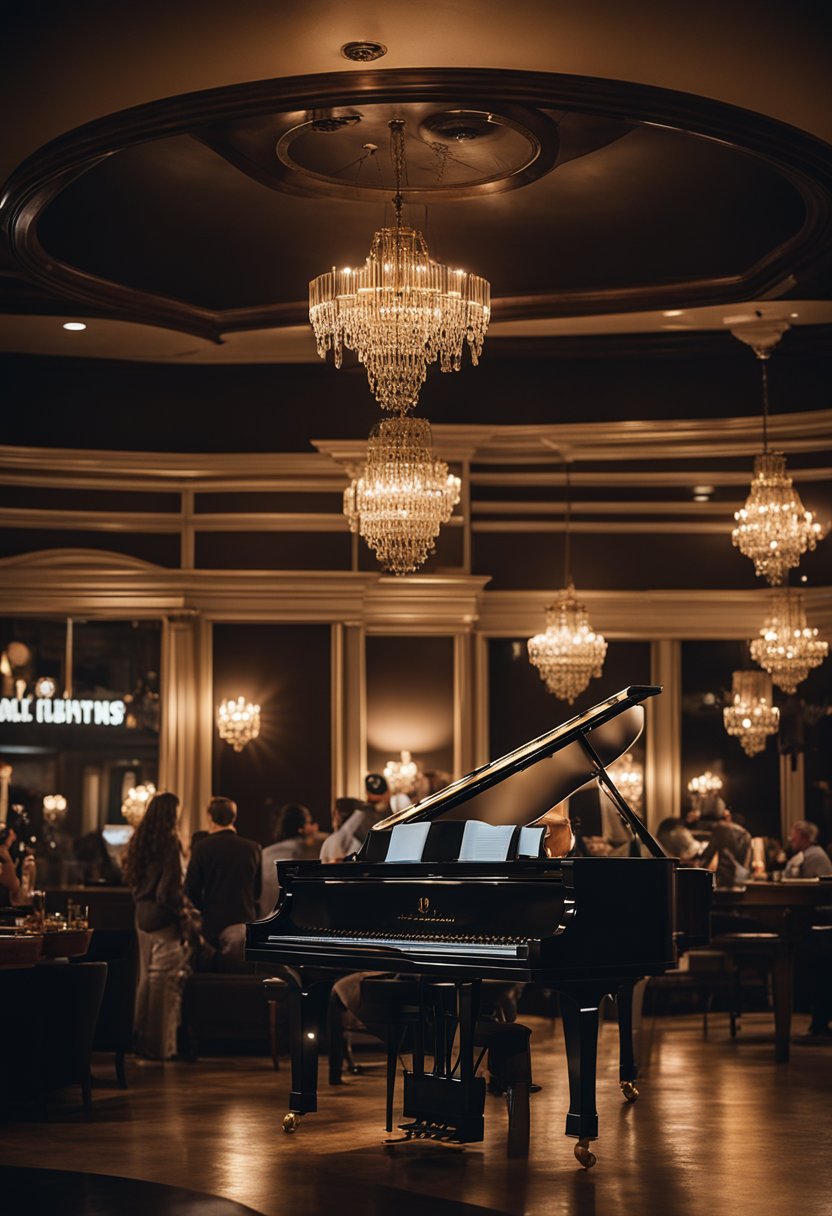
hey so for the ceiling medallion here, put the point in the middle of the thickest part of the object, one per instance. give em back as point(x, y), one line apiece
point(788, 647)
point(364, 51)
point(773, 527)
point(751, 717)
point(400, 311)
point(402, 496)
point(569, 653)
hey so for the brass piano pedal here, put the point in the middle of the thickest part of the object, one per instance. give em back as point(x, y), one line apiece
point(291, 1122)
point(629, 1090)
point(584, 1154)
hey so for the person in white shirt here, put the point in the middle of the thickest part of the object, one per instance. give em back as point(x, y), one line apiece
point(809, 859)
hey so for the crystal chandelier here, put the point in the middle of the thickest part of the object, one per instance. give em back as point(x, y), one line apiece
point(773, 528)
point(401, 775)
point(628, 776)
point(569, 653)
point(54, 809)
point(402, 496)
point(788, 648)
point(400, 311)
point(238, 722)
point(705, 783)
point(751, 717)
point(136, 803)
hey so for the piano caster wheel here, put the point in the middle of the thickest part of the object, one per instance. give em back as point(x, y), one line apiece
point(629, 1090)
point(584, 1154)
point(291, 1122)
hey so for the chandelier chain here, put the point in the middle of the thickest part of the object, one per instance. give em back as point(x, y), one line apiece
point(567, 536)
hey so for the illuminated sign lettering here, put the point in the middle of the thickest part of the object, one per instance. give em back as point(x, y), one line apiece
point(61, 711)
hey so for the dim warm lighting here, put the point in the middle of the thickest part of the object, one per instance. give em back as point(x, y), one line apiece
point(54, 808)
point(569, 653)
point(628, 775)
point(238, 722)
point(751, 717)
point(773, 528)
point(674, 312)
point(403, 495)
point(400, 311)
point(45, 687)
point(75, 326)
point(705, 783)
point(401, 775)
point(788, 647)
point(136, 803)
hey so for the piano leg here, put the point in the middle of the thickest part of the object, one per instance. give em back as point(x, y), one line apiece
point(627, 1064)
point(579, 1010)
point(306, 1005)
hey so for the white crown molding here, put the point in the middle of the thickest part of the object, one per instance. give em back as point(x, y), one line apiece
point(652, 615)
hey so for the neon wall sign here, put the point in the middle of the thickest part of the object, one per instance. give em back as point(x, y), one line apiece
point(61, 711)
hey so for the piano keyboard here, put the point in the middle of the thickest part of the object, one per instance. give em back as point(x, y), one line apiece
point(411, 945)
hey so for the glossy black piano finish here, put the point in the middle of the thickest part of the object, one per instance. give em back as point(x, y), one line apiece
point(584, 926)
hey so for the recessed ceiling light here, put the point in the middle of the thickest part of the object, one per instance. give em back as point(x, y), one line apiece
point(704, 490)
point(701, 498)
point(75, 326)
point(804, 578)
point(674, 312)
point(794, 315)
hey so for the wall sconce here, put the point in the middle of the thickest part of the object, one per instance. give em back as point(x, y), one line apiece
point(238, 722)
point(136, 803)
point(54, 809)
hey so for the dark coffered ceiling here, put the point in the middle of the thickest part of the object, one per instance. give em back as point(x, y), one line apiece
point(633, 180)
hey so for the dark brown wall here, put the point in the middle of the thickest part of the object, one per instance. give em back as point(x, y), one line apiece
point(286, 670)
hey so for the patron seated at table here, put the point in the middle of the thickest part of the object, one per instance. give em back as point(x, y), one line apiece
point(809, 860)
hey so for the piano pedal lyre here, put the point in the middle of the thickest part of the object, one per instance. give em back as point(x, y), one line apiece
point(630, 1090)
point(434, 1134)
point(584, 1154)
point(291, 1122)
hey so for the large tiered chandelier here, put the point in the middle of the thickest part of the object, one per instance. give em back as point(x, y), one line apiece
point(773, 527)
point(238, 722)
point(400, 311)
point(569, 653)
point(751, 717)
point(403, 494)
point(788, 647)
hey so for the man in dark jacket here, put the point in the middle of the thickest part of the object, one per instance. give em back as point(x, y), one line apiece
point(223, 882)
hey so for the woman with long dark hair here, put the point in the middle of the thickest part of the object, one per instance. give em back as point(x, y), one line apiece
point(153, 869)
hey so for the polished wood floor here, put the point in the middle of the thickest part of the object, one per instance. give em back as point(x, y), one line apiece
point(719, 1130)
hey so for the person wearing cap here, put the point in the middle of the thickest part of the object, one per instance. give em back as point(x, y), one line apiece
point(349, 837)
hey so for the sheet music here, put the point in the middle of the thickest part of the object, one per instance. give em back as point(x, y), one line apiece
point(407, 842)
point(529, 845)
point(485, 841)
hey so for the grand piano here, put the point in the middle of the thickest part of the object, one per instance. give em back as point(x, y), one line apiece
point(458, 889)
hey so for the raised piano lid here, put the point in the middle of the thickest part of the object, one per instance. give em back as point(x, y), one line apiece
point(524, 784)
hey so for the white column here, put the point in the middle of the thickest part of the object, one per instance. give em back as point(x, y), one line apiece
point(464, 702)
point(664, 734)
point(349, 711)
point(187, 716)
point(792, 792)
point(481, 741)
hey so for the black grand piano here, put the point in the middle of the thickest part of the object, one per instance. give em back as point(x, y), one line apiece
point(458, 889)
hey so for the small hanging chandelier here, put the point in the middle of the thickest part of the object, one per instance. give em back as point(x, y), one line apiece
point(569, 653)
point(705, 783)
point(136, 803)
point(238, 722)
point(628, 776)
point(400, 311)
point(773, 527)
point(402, 496)
point(752, 716)
point(788, 647)
point(401, 775)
